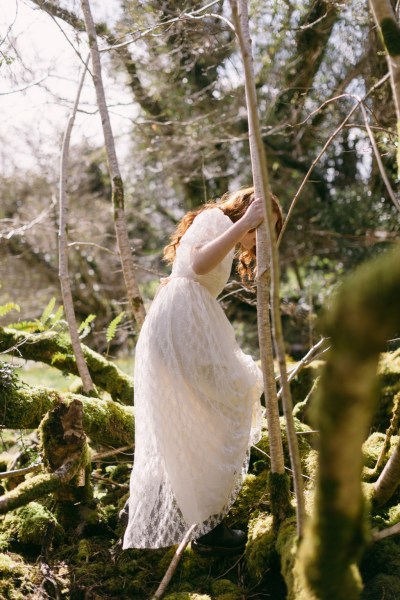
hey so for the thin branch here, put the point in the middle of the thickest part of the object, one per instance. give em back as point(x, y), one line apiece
point(305, 361)
point(19, 472)
point(326, 145)
point(63, 251)
point(174, 563)
point(26, 87)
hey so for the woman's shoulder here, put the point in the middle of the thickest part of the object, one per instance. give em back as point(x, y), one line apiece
point(213, 214)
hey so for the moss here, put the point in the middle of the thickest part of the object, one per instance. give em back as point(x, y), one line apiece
point(260, 554)
point(224, 589)
point(303, 382)
point(279, 488)
point(383, 557)
point(391, 36)
point(385, 587)
point(15, 583)
point(28, 525)
point(286, 547)
point(187, 596)
point(54, 348)
point(253, 496)
point(372, 447)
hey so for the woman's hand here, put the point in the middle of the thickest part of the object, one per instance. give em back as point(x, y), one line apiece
point(254, 215)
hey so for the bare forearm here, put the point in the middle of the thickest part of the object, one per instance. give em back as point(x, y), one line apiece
point(207, 257)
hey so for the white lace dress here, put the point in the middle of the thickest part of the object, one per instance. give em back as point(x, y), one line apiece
point(197, 403)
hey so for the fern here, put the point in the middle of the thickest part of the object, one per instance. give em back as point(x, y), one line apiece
point(84, 327)
point(112, 328)
point(47, 311)
point(28, 326)
point(57, 316)
point(6, 308)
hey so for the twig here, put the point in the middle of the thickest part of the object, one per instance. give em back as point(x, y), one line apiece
point(304, 361)
point(327, 143)
point(173, 564)
point(384, 533)
point(66, 291)
point(110, 482)
point(19, 472)
point(112, 452)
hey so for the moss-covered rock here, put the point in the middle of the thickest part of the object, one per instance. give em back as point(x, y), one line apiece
point(15, 583)
point(28, 525)
point(260, 554)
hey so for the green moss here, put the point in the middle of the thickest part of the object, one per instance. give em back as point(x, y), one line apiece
point(391, 36)
point(224, 589)
point(28, 525)
point(187, 596)
point(303, 382)
point(15, 583)
point(286, 546)
point(260, 554)
point(372, 448)
point(253, 496)
point(279, 488)
point(382, 587)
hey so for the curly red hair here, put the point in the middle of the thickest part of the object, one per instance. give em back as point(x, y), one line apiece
point(234, 205)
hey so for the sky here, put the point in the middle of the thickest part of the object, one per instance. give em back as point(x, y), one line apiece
point(33, 117)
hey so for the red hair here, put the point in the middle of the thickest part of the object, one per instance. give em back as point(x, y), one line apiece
point(234, 205)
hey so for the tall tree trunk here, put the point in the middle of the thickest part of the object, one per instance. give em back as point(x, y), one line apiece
point(83, 370)
point(364, 316)
point(385, 19)
point(135, 301)
point(267, 252)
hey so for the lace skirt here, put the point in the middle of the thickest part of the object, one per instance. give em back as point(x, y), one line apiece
point(197, 411)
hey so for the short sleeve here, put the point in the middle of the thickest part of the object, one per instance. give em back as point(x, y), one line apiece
point(206, 226)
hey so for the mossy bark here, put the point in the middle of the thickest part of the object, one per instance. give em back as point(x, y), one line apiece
point(104, 421)
point(364, 315)
point(55, 349)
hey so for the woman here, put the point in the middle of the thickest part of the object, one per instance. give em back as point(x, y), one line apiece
point(197, 395)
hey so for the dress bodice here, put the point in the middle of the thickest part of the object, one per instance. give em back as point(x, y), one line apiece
point(206, 226)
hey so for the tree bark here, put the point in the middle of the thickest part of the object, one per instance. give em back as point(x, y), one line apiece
point(389, 479)
point(364, 316)
point(55, 349)
point(389, 28)
point(135, 302)
point(82, 367)
point(268, 253)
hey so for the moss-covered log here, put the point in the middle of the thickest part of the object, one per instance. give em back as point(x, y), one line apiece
point(104, 421)
point(364, 316)
point(54, 348)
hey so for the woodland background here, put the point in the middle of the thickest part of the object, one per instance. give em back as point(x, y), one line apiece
point(176, 99)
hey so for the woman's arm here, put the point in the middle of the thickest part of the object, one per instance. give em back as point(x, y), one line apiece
point(207, 257)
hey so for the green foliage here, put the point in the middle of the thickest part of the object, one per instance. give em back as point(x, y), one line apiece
point(112, 328)
point(6, 308)
point(84, 327)
point(48, 311)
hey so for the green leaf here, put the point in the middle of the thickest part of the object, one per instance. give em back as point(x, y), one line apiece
point(6, 308)
point(48, 310)
point(112, 328)
point(57, 316)
point(85, 324)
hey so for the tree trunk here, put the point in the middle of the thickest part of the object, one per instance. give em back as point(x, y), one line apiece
point(135, 301)
point(385, 19)
point(266, 254)
point(55, 349)
point(83, 370)
point(364, 316)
